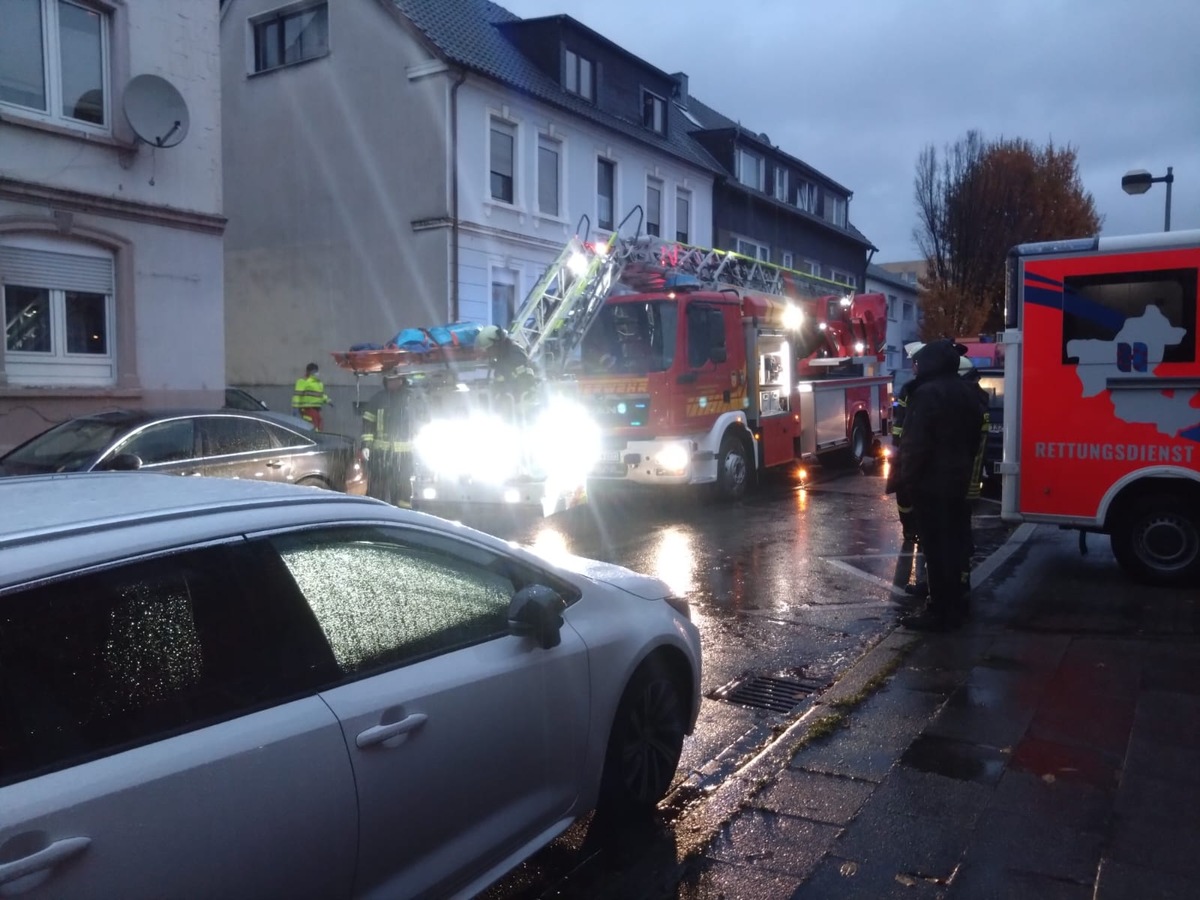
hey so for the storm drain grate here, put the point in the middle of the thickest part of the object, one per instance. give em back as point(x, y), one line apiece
point(770, 692)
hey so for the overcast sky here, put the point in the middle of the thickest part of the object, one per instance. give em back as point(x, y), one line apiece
point(856, 88)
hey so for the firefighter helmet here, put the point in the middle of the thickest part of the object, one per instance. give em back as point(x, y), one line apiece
point(964, 365)
point(913, 348)
point(488, 336)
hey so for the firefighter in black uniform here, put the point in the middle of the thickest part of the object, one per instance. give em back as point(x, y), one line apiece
point(513, 374)
point(387, 441)
point(904, 502)
point(971, 376)
point(937, 454)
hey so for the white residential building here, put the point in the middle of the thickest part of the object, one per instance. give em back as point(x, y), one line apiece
point(400, 163)
point(903, 318)
point(110, 249)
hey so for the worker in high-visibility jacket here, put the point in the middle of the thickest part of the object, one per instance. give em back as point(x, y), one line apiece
point(309, 397)
point(387, 441)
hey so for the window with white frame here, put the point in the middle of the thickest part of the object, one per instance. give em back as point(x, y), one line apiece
point(549, 176)
point(891, 307)
point(502, 160)
point(54, 60)
point(843, 278)
point(606, 193)
point(834, 209)
point(654, 192)
point(781, 184)
point(289, 36)
point(806, 196)
point(683, 215)
point(59, 315)
point(908, 312)
point(750, 170)
point(753, 249)
point(809, 267)
point(504, 296)
point(654, 112)
point(788, 259)
point(579, 75)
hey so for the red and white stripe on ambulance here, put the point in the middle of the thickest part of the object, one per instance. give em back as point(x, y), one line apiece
point(1110, 380)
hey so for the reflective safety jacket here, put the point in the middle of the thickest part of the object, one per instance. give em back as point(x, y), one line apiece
point(387, 421)
point(513, 374)
point(309, 393)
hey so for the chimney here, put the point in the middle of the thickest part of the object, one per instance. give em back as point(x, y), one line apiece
point(681, 89)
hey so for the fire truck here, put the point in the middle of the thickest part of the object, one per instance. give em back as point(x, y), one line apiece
point(665, 365)
point(1102, 396)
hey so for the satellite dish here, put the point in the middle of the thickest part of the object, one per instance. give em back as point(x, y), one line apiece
point(156, 111)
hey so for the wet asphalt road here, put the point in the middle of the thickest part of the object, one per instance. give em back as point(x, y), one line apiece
point(794, 582)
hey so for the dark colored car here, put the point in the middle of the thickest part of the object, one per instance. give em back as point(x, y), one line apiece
point(992, 381)
point(221, 443)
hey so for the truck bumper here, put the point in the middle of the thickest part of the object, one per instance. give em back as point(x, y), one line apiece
point(642, 463)
point(433, 494)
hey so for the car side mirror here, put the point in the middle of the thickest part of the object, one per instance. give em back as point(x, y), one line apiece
point(536, 612)
point(124, 462)
point(718, 355)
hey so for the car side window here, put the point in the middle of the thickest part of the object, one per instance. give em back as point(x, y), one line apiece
point(225, 435)
point(163, 442)
point(388, 597)
point(282, 437)
point(94, 664)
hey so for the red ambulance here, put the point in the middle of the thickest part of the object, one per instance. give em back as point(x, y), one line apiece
point(1102, 396)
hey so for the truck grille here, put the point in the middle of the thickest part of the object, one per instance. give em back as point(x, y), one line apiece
point(621, 411)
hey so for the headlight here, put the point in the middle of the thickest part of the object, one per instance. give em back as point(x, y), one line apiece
point(482, 447)
point(673, 457)
point(566, 442)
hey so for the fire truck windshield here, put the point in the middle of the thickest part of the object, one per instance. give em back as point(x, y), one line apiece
point(632, 338)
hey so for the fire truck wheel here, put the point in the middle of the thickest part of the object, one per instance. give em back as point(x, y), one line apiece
point(733, 468)
point(860, 441)
point(1157, 540)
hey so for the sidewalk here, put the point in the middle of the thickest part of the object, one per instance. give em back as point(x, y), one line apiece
point(1049, 750)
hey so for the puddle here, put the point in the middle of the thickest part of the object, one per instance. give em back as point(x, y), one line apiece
point(955, 759)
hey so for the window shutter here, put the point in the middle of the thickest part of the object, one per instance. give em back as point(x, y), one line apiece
point(61, 271)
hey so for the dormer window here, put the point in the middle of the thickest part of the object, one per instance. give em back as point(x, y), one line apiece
point(654, 112)
point(750, 170)
point(579, 76)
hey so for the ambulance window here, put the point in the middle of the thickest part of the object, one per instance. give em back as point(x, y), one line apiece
point(1096, 307)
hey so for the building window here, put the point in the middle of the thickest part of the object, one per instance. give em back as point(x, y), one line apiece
point(286, 38)
point(835, 209)
point(810, 267)
point(578, 76)
point(606, 181)
point(788, 259)
point(54, 60)
point(683, 215)
point(504, 296)
point(908, 312)
point(806, 196)
point(654, 112)
point(781, 184)
point(58, 315)
point(891, 307)
point(503, 141)
point(843, 278)
point(549, 176)
point(753, 249)
point(750, 170)
point(654, 207)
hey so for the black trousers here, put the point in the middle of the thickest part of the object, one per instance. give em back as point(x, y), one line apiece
point(389, 476)
point(945, 544)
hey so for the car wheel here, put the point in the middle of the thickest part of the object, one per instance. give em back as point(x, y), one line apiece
point(1157, 540)
point(645, 743)
point(315, 481)
point(733, 469)
point(860, 441)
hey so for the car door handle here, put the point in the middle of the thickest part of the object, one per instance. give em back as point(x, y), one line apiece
point(380, 733)
point(274, 464)
point(43, 859)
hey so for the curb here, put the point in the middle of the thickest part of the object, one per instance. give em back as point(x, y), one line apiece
point(698, 826)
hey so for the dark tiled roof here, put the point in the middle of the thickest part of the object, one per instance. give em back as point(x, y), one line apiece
point(464, 33)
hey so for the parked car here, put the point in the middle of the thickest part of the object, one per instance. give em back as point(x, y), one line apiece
point(228, 444)
point(220, 689)
point(236, 398)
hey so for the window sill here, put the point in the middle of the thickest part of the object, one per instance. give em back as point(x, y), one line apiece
point(9, 117)
point(493, 203)
point(553, 220)
point(290, 65)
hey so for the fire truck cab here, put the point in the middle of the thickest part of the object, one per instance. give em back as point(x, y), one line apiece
point(1102, 396)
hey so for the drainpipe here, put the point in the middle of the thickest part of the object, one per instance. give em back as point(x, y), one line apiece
point(454, 278)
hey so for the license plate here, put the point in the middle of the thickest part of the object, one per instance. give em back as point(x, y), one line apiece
point(610, 456)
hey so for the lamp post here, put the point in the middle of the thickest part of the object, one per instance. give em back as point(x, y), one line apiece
point(1138, 181)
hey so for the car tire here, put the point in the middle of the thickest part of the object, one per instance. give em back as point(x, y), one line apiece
point(733, 469)
point(645, 743)
point(1156, 539)
point(315, 481)
point(860, 441)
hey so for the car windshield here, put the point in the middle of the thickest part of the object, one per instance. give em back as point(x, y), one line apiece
point(68, 447)
point(632, 338)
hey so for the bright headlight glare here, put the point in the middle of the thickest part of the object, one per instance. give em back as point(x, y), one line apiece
point(673, 457)
point(483, 447)
point(793, 317)
point(577, 264)
point(566, 442)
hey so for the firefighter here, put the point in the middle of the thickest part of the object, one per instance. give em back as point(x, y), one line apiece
point(308, 396)
point(387, 441)
point(513, 374)
point(940, 440)
point(971, 376)
point(904, 502)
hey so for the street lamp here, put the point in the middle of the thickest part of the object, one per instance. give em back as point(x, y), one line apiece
point(1138, 181)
